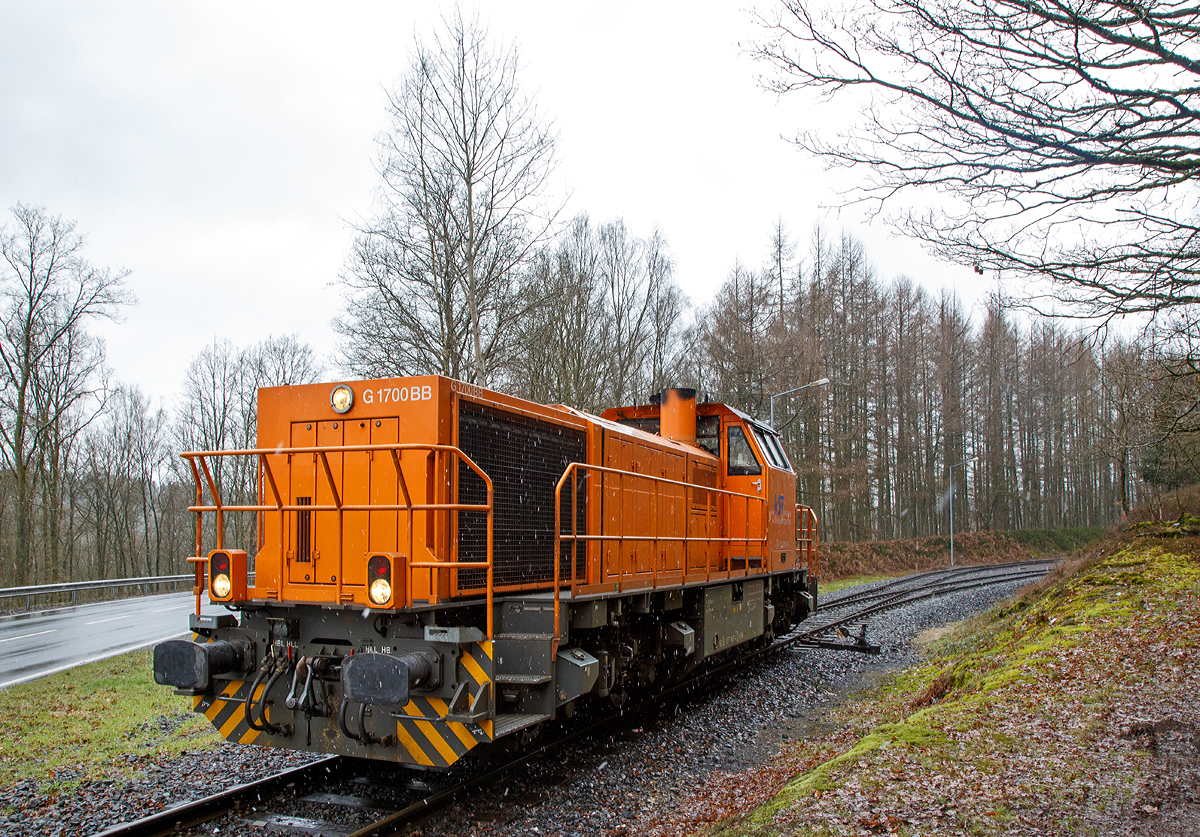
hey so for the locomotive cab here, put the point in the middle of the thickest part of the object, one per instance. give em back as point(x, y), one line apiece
point(752, 463)
point(437, 566)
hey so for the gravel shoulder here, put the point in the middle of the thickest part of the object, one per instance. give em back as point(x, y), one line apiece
point(723, 749)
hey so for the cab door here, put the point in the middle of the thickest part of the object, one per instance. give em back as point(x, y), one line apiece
point(780, 491)
point(326, 534)
point(301, 489)
point(746, 474)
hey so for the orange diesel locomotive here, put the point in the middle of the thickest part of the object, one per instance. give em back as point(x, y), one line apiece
point(439, 566)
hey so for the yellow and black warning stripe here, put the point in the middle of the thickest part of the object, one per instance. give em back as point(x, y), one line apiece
point(226, 710)
point(424, 735)
point(476, 661)
point(428, 738)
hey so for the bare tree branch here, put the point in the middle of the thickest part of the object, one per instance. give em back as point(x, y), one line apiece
point(434, 282)
point(1059, 137)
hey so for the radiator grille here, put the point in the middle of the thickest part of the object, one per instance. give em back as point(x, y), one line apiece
point(525, 457)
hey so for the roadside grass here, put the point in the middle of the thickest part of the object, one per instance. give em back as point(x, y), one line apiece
point(843, 583)
point(99, 721)
point(1016, 720)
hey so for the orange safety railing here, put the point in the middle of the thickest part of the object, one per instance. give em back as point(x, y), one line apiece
point(806, 538)
point(199, 461)
point(713, 497)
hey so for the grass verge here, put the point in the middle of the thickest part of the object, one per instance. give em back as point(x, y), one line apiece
point(842, 583)
point(99, 721)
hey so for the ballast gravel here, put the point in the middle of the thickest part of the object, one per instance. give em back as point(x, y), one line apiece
point(619, 783)
point(646, 766)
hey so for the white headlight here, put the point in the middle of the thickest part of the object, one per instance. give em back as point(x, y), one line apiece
point(381, 591)
point(221, 586)
point(341, 399)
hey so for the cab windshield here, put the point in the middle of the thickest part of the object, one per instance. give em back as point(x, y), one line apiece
point(769, 443)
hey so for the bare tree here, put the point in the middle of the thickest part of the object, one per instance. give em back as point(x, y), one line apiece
point(629, 294)
point(608, 331)
point(666, 365)
point(779, 264)
point(734, 334)
point(69, 393)
point(433, 281)
point(48, 294)
point(122, 462)
point(563, 353)
point(1059, 136)
point(218, 410)
point(282, 361)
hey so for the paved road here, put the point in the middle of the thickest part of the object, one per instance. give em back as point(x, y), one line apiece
point(36, 644)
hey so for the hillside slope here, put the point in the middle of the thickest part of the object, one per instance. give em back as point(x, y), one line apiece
point(1070, 711)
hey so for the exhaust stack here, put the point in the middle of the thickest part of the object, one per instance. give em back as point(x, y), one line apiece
point(677, 416)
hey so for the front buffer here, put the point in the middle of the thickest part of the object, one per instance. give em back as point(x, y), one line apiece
point(329, 681)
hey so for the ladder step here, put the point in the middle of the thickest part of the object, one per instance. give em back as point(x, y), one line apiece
point(506, 724)
point(522, 679)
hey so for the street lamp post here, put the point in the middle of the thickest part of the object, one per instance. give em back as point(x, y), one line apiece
point(819, 383)
point(952, 467)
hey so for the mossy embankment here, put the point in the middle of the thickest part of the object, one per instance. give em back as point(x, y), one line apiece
point(1069, 710)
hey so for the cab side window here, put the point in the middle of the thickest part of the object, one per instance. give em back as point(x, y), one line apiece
point(742, 461)
point(708, 434)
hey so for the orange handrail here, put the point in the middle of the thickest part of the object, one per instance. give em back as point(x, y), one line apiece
point(806, 537)
point(198, 460)
point(572, 472)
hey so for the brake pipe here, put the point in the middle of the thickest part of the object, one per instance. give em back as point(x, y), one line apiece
point(267, 664)
point(280, 670)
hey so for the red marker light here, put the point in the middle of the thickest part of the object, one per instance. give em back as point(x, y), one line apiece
point(379, 569)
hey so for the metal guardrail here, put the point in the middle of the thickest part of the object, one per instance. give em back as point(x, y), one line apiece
point(75, 587)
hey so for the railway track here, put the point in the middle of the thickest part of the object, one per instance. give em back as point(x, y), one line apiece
point(847, 617)
point(346, 797)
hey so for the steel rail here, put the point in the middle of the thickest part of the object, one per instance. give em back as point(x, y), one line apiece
point(901, 598)
point(889, 595)
point(880, 590)
point(190, 814)
point(935, 577)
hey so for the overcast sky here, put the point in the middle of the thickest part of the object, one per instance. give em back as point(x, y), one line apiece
point(219, 151)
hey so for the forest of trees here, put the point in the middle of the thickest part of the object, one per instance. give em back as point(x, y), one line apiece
point(466, 271)
point(1038, 425)
point(1044, 426)
point(91, 486)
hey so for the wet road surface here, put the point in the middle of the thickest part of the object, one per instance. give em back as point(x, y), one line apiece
point(36, 644)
